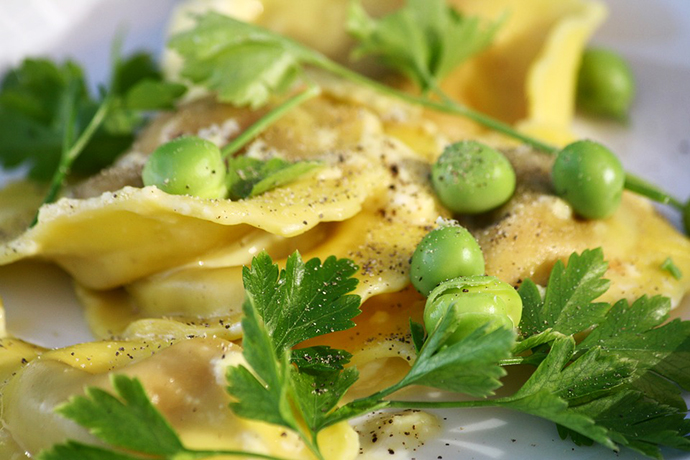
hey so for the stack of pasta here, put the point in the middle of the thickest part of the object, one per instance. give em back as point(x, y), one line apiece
point(160, 276)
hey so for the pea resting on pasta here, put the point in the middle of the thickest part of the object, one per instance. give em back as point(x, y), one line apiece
point(187, 165)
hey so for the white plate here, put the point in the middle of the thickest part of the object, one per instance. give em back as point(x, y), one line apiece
point(654, 37)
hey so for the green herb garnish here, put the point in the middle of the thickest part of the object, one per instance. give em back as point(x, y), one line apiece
point(49, 120)
point(129, 423)
point(36, 104)
point(32, 114)
point(283, 309)
point(672, 268)
point(248, 177)
point(243, 63)
point(216, 46)
point(567, 305)
point(618, 387)
point(424, 40)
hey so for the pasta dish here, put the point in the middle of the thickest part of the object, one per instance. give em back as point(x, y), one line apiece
point(288, 243)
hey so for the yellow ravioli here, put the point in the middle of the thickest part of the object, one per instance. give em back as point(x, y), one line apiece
point(195, 406)
point(528, 75)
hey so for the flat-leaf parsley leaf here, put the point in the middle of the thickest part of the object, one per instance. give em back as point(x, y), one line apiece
point(567, 306)
point(32, 122)
point(248, 177)
point(425, 40)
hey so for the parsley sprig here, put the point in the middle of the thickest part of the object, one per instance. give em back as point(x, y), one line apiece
point(425, 40)
point(34, 114)
point(617, 387)
point(283, 309)
point(219, 46)
point(50, 122)
point(569, 289)
point(647, 356)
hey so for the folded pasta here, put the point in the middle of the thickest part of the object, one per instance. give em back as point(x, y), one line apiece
point(160, 275)
point(140, 255)
point(191, 406)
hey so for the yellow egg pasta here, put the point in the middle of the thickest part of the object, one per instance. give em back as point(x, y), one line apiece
point(528, 75)
point(114, 239)
point(29, 399)
point(160, 276)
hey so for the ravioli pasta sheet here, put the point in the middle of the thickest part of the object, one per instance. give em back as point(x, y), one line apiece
point(159, 275)
point(528, 76)
point(52, 376)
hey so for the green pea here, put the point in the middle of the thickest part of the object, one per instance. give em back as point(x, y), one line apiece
point(470, 178)
point(187, 166)
point(606, 85)
point(590, 177)
point(444, 253)
point(478, 300)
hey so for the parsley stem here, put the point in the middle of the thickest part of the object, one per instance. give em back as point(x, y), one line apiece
point(633, 183)
point(442, 404)
point(70, 154)
point(364, 405)
point(642, 187)
point(267, 120)
point(189, 454)
point(533, 359)
point(395, 404)
point(491, 122)
point(447, 105)
point(311, 443)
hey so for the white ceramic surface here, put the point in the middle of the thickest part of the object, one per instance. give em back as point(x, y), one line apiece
point(654, 36)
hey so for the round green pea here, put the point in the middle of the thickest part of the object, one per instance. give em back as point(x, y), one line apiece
point(605, 85)
point(478, 300)
point(590, 177)
point(471, 178)
point(187, 166)
point(444, 253)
